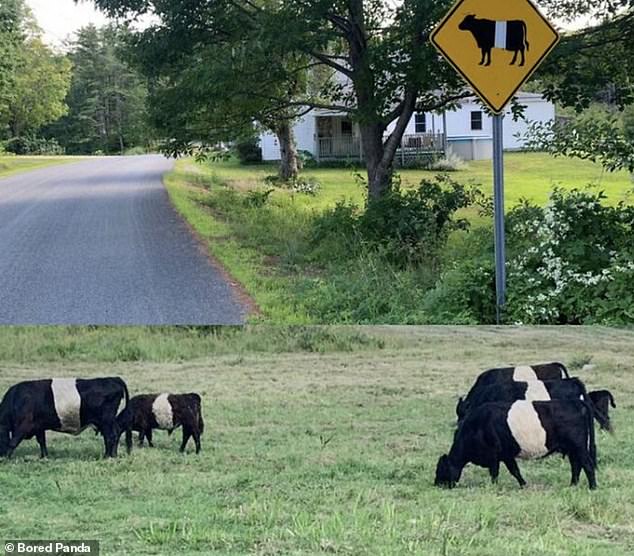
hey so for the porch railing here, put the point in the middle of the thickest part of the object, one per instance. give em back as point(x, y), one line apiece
point(349, 147)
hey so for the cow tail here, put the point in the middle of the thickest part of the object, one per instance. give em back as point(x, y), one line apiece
point(201, 423)
point(563, 369)
point(602, 418)
point(612, 402)
point(128, 420)
point(592, 447)
point(525, 36)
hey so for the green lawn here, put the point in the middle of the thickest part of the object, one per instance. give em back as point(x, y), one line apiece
point(530, 175)
point(10, 165)
point(325, 444)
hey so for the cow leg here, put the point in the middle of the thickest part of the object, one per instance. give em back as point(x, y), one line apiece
point(575, 468)
point(523, 57)
point(494, 471)
point(196, 434)
point(110, 439)
point(148, 435)
point(482, 57)
point(514, 470)
point(41, 440)
point(141, 437)
point(488, 55)
point(187, 432)
point(588, 469)
point(514, 58)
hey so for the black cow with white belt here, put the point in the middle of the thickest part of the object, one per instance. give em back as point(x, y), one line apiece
point(534, 390)
point(497, 433)
point(68, 405)
point(522, 373)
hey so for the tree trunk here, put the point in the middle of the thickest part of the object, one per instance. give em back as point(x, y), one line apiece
point(289, 165)
point(379, 173)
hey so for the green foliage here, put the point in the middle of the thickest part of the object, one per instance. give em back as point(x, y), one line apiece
point(33, 145)
point(249, 151)
point(406, 226)
point(571, 262)
point(107, 99)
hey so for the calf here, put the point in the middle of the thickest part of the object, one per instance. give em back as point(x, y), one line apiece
point(544, 371)
point(67, 405)
point(533, 390)
point(501, 432)
point(602, 400)
point(506, 35)
point(163, 411)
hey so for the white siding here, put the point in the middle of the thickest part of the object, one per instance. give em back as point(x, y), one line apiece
point(304, 137)
point(458, 126)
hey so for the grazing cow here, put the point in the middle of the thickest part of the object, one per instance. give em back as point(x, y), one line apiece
point(163, 411)
point(507, 35)
point(533, 390)
point(68, 405)
point(501, 432)
point(544, 371)
point(602, 400)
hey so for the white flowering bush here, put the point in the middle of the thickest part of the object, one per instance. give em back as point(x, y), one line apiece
point(570, 262)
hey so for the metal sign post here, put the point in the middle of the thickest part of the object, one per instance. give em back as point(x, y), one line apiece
point(498, 196)
point(520, 38)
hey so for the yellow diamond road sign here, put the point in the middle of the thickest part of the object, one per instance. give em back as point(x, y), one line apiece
point(495, 45)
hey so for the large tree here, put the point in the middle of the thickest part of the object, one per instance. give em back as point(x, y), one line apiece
point(593, 64)
point(12, 13)
point(39, 88)
point(382, 67)
point(107, 98)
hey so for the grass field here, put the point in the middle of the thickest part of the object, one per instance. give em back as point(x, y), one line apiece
point(530, 175)
point(10, 165)
point(326, 447)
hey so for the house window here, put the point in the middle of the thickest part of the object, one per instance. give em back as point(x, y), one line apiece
point(476, 120)
point(346, 127)
point(420, 125)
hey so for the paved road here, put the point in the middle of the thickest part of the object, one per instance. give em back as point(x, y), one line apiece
point(97, 242)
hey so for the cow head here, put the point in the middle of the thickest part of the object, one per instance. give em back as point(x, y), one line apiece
point(446, 474)
point(467, 23)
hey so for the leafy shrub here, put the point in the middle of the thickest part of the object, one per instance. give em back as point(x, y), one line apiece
point(405, 226)
point(31, 145)
point(249, 151)
point(571, 262)
point(307, 159)
point(257, 199)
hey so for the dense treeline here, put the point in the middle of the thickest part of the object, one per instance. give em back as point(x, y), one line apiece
point(107, 98)
point(84, 101)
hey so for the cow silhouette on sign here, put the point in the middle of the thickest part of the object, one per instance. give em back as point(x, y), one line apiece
point(507, 35)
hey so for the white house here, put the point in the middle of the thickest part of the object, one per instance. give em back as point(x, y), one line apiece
point(332, 135)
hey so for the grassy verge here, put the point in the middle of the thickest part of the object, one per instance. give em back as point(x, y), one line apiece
point(10, 165)
point(300, 268)
point(321, 453)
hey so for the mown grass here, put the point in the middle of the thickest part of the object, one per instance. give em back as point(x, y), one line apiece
point(326, 453)
point(10, 165)
point(529, 175)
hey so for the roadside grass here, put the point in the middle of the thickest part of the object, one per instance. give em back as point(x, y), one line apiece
point(323, 453)
point(266, 241)
point(10, 165)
